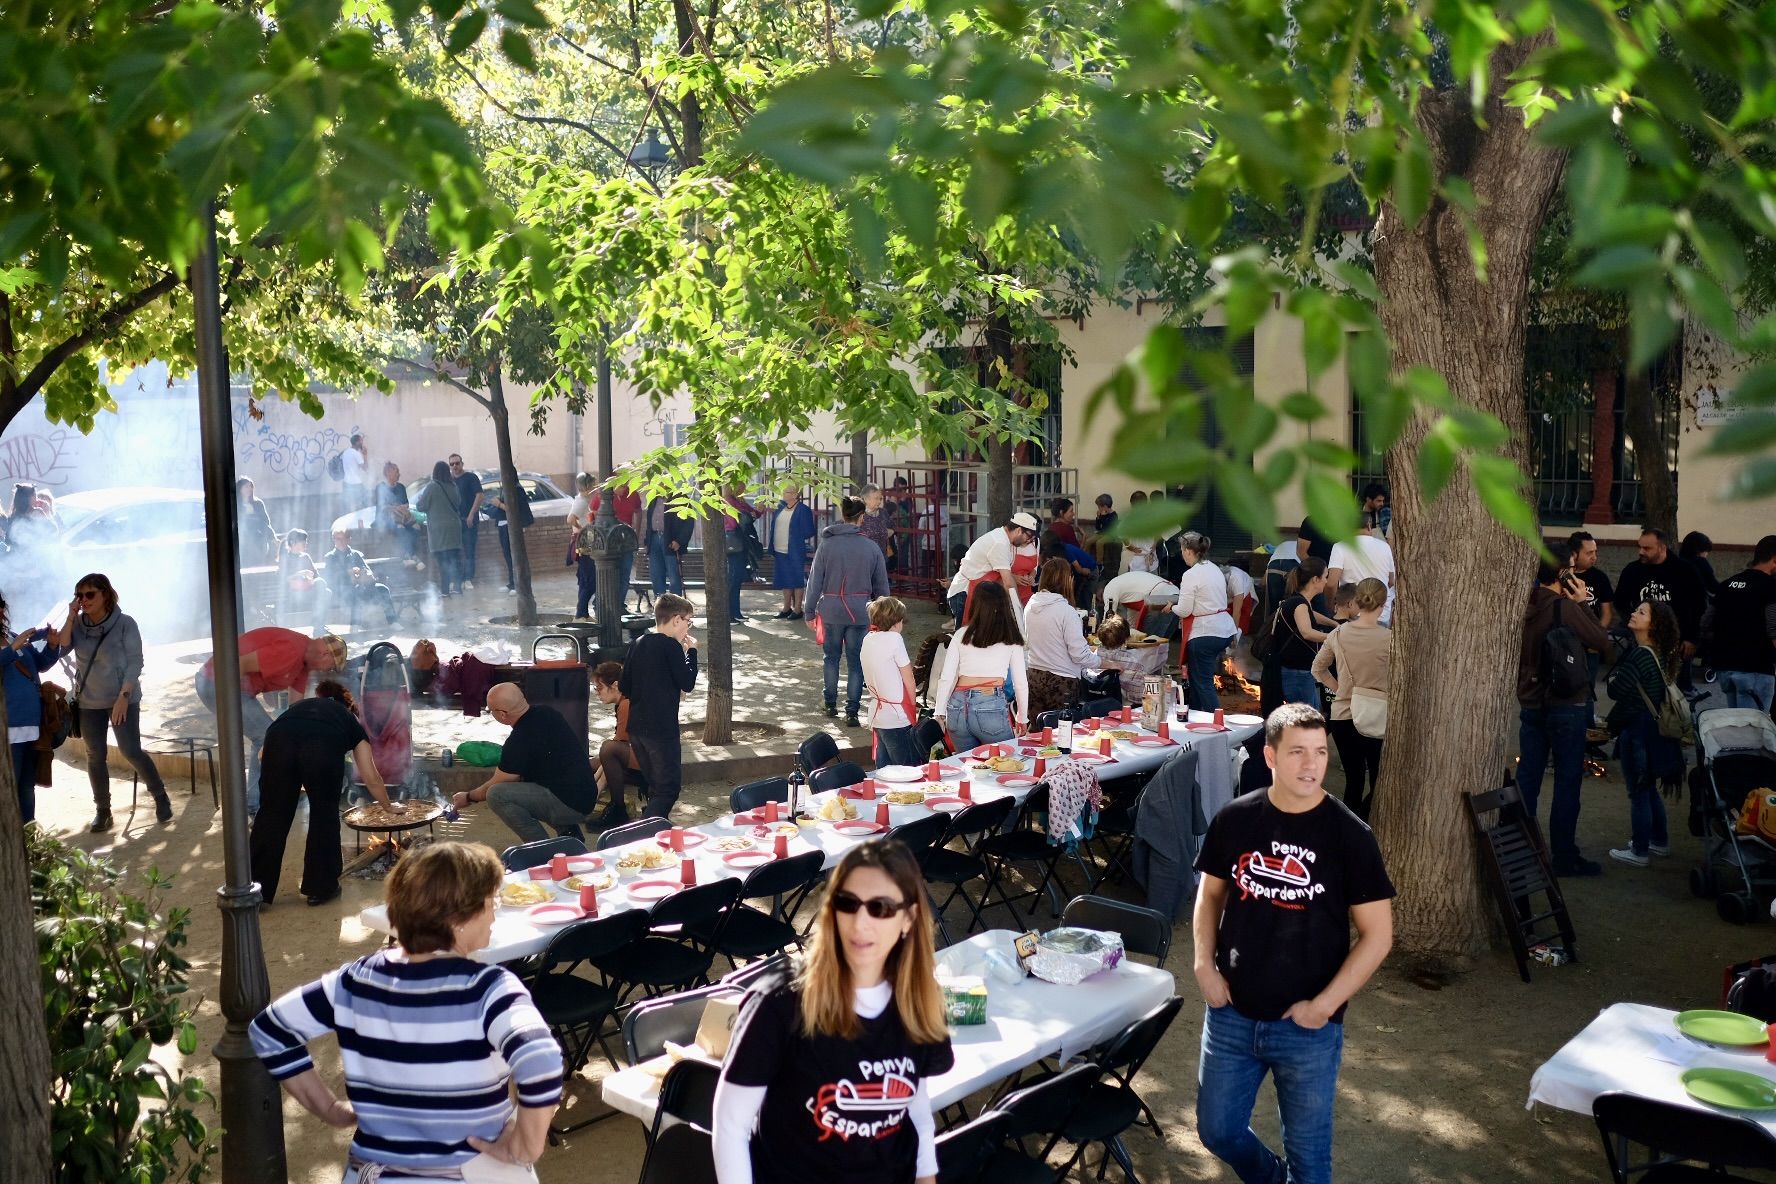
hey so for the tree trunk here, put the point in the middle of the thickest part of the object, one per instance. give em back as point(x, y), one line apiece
point(513, 496)
point(998, 362)
point(859, 460)
point(718, 725)
point(1651, 455)
point(24, 1070)
point(1452, 702)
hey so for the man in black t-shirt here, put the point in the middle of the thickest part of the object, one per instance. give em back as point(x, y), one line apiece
point(1660, 575)
point(1285, 872)
point(544, 774)
point(1581, 548)
point(468, 487)
point(1739, 631)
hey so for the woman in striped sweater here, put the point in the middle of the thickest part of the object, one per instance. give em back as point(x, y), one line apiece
point(432, 1041)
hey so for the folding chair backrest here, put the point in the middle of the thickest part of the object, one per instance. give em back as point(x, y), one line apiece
point(594, 937)
point(1144, 931)
point(1044, 1108)
point(963, 1151)
point(698, 903)
point(818, 751)
point(836, 777)
point(922, 834)
point(1053, 719)
point(1098, 708)
point(1036, 803)
point(980, 818)
point(780, 877)
point(1722, 1140)
point(529, 855)
point(683, 1154)
point(746, 975)
point(754, 794)
point(929, 734)
point(688, 1093)
point(1129, 1049)
point(652, 1022)
point(643, 828)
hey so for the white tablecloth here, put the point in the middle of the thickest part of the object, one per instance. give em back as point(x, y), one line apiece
point(515, 937)
point(1636, 1049)
point(1025, 1024)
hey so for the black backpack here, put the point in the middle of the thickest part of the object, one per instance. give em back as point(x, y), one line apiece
point(1753, 991)
point(1565, 669)
point(336, 466)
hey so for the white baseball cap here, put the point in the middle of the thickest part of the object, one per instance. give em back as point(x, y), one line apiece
point(1027, 521)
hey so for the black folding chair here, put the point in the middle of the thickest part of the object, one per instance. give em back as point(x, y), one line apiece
point(946, 865)
point(1110, 1105)
point(649, 1024)
point(921, 835)
point(818, 751)
point(1144, 931)
point(1678, 1137)
point(529, 855)
point(687, 1095)
point(928, 734)
point(744, 932)
point(672, 957)
point(629, 832)
point(1055, 718)
point(963, 1151)
point(836, 777)
point(576, 1008)
point(683, 1154)
point(1025, 846)
point(1098, 708)
point(1043, 1109)
point(1114, 836)
point(743, 977)
point(754, 794)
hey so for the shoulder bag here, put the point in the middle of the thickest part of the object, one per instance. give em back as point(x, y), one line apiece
point(80, 683)
point(1369, 707)
point(1672, 713)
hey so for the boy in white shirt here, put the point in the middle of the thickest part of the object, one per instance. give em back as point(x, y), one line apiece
point(888, 673)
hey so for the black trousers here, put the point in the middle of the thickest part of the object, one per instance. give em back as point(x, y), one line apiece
point(661, 759)
point(1361, 757)
point(289, 769)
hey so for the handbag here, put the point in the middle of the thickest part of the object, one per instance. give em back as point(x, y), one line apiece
point(1368, 706)
point(1672, 714)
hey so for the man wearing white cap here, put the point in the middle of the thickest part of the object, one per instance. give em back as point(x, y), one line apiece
point(990, 558)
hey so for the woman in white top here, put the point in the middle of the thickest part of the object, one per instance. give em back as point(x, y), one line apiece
point(888, 673)
point(1202, 604)
point(1057, 650)
point(970, 695)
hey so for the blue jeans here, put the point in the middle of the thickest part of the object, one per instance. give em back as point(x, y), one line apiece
point(977, 717)
point(586, 574)
point(957, 603)
point(664, 573)
point(843, 637)
point(1558, 732)
point(1202, 657)
point(449, 564)
point(1299, 687)
point(471, 544)
point(625, 569)
point(1646, 756)
point(1236, 1054)
point(736, 577)
point(898, 747)
point(1747, 690)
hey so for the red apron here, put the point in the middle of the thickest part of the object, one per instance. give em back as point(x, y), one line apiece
point(992, 576)
point(906, 704)
point(1025, 565)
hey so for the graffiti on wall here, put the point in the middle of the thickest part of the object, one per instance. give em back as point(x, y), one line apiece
point(298, 452)
point(42, 458)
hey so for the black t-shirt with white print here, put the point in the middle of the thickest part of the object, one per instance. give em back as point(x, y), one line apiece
point(835, 1110)
point(1598, 590)
point(1293, 878)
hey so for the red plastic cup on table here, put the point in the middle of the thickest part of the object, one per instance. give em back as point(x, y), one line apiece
point(1770, 1048)
point(868, 789)
point(1220, 718)
point(1048, 736)
point(675, 838)
point(966, 792)
point(1041, 765)
point(882, 814)
point(687, 872)
point(780, 846)
point(589, 900)
point(558, 867)
point(1165, 729)
point(932, 771)
point(771, 810)
point(1104, 745)
point(1090, 723)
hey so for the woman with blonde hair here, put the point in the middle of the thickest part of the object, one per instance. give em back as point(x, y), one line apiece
point(432, 1041)
point(1362, 651)
point(888, 673)
point(826, 1075)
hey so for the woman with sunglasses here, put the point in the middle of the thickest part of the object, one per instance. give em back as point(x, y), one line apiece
point(108, 692)
point(826, 1076)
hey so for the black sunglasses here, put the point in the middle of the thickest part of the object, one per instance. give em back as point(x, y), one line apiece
point(879, 907)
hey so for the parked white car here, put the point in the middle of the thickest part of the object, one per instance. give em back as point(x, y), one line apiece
point(546, 498)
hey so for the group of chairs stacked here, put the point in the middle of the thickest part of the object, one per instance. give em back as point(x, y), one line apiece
point(1012, 1138)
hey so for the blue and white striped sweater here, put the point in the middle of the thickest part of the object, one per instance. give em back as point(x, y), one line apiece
point(428, 1049)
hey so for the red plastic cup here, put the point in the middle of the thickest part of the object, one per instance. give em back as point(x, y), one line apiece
point(1165, 729)
point(687, 872)
point(771, 810)
point(675, 838)
point(1220, 718)
point(558, 867)
point(1041, 765)
point(932, 771)
point(882, 814)
point(1048, 736)
point(868, 788)
point(1770, 1048)
point(966, 793)
point(589, 900)
point(780, 846)
point(1091, 723)
point(1104, 745)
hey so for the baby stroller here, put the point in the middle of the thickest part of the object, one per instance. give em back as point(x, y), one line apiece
point(385, 708)
point(1737, 752)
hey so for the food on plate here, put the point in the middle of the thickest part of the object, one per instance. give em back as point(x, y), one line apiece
point(1050, 750)
point(600, 881)
point(525, 893)
point(650, 858)
point(732, 843)
point(837, 809)
point(1121, 733)
point(771, 829)
point(906, 797)
point(999, 764)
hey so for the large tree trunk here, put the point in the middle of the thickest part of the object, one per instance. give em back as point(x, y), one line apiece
point(24, 1070)
point(513, 496)
point(1641, 419)
point(999, 366)
point(1462, 578)
point(859, 460)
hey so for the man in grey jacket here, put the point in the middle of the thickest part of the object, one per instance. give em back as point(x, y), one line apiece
point(849, 571)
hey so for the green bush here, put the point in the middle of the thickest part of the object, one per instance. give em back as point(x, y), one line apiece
point(114, 989)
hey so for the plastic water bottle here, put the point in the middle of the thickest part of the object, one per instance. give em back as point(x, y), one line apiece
point(447, 758)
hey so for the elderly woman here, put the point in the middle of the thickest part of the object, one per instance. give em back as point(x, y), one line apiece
point(433, 1042)
point(1055, 640)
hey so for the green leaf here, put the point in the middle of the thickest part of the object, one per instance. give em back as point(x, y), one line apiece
point(1330, 454)
point(1597, 178)
point(465, 32)
point(1302, 406)
point(187, 1038)
point(1748, 431)
point(1620, 269)
point(1652, 325)
point(1413, 180)
point(1436, 464)
point(1500, 489)
point(1756, 479)
point(522, 12)
point(1330, 503)
point(518, 50)
point(1245, 497)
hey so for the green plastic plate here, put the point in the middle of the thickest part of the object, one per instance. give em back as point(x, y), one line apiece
point(1730, 1088)
point(1721, 1027)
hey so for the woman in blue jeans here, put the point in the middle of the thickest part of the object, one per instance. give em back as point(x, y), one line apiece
point(1637, 686)
point(1202, 605)
point(986, 653)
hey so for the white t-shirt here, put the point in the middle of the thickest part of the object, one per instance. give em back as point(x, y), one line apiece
point(1144, 557)
point(1137, 587)
point(1366, 558)
point(1202, 596)
point(780, 530)
point(1239, 583)
point(882, 656)
point(962, 660)
point(581, 510)
point(989, 553)
point(352, 467)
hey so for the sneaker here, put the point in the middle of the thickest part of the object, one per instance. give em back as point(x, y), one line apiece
point(1662, 850)
point(468, 585)
point(1627, 855)
point(511, 589)
point(832, 711)
point(163, 809)
point(795, 616)
point(101, 822)
point(1577, 866)
point(851, 721)
point(782, 616)
point(324, 897)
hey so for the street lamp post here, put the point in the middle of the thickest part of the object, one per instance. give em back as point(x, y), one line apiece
point(252, 1111)
point(611, 539)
